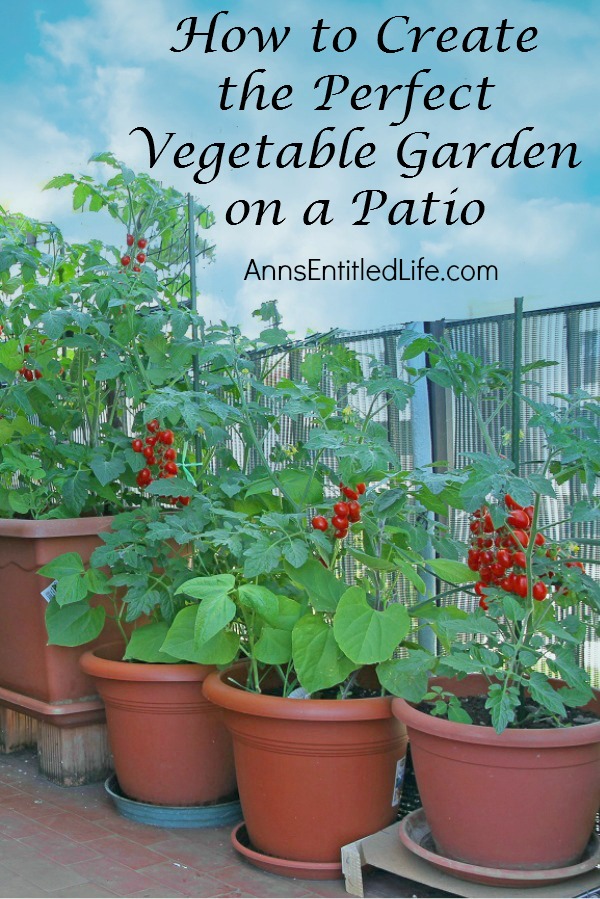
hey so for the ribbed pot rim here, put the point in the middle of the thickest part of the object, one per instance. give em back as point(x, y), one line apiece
point(98, 663)
point(54, 527)
point(551, 737)
point(236, 699)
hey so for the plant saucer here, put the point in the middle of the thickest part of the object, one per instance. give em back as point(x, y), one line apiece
point(217, 815)
point(416, 836)
point(282, 866)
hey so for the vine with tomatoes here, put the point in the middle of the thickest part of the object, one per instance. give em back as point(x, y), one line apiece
point(537, 600)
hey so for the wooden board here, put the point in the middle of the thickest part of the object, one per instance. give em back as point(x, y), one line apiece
point(385, 851)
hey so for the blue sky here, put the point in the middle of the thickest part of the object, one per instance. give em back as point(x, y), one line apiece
point(76, 77)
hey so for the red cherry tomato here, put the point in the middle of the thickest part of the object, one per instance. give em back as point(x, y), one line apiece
point(136, 268)
point(27, 348)
point(153, 425)
point(508, 583)
point(520, 559)
point(504, 558)
point(339, 522)
point(485, 573)
point(521, 586)
point(488, 524)
point(360, 488)
point(170, 454)
point(475, 527)
point(37, 374)
point(171, 468)
point(519, 537)
point(539, 539)
point(125, 261)
point(185, 500)
point(141, 258)
point(540, 591)
point(510, 502)
point(167, 437)
point(342, 509)
point(483, 604)
point(137, 446)
point(519, 519)
point(320, 523)
point(148, 452)
point(142, 243)
point(349, 493)
point(28, 374)
point(144, 477)
point(479, 588)
point(339, 535)
point(130, 240)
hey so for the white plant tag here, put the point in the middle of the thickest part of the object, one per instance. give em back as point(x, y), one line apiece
point(50, 591)
point(299, 693)
point(399, 781)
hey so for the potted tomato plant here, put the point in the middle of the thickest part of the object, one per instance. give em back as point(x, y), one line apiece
point(80, 342)
point(506, 735)
point(309, 720)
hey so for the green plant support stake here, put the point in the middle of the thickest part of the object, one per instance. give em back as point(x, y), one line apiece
point(516, 386)
point(194, 305)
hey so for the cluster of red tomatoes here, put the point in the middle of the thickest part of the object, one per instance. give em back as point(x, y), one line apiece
point(159, 452)
point(497, 554)
point(345, 512)
point(138, 260)
point(30, 374)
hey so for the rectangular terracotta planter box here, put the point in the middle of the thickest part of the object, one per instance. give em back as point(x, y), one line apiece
point(40, 680)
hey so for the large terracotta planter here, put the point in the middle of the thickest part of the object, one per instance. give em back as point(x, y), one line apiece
point(312, 775)
point(37, 679)
point(523, 799)
point(169, 743)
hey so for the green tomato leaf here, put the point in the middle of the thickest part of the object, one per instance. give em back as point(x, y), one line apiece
point(318, 660)
point(502, 702)
point(107, 470)
point(543, 693)
point(372, 561)
point(451, 571)
point(296, 553)
point(365, 635)
point(407, 677)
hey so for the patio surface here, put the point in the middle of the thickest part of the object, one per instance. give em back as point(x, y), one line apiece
point(57, 841)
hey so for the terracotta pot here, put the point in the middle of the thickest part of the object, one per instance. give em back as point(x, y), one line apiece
point(29, 668)
point(524, 799)
point(313, 775)
point(169, 743)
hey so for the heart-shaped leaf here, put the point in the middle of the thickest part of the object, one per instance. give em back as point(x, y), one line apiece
point(365, 635)
point(318, 660)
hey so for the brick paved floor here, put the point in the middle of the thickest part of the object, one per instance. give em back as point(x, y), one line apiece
point(71, 842)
